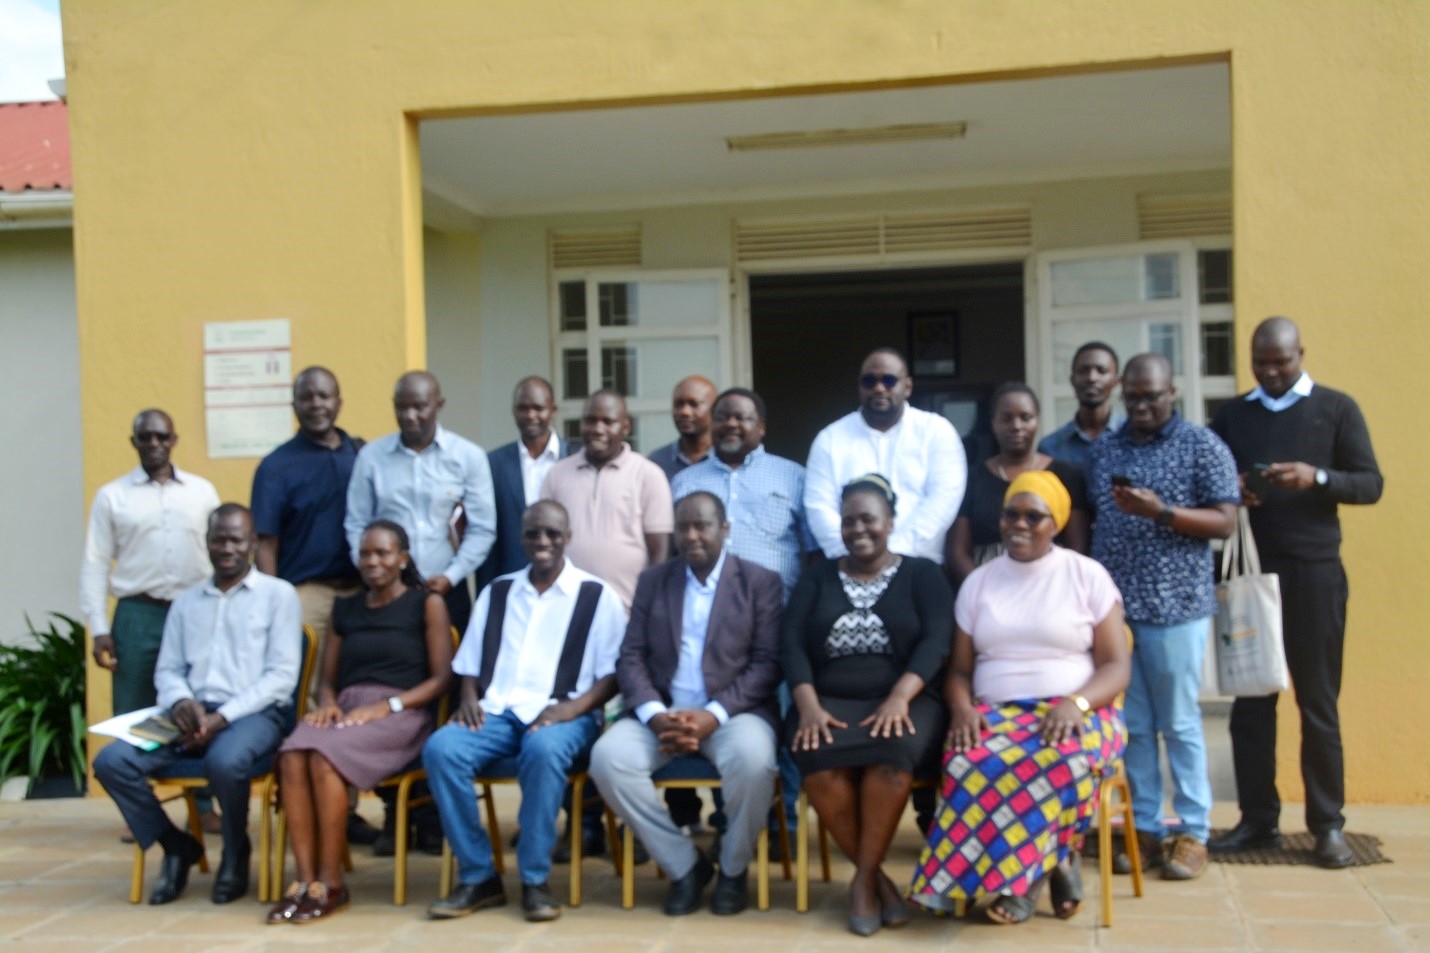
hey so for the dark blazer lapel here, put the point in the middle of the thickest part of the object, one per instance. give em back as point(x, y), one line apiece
point(675, 606)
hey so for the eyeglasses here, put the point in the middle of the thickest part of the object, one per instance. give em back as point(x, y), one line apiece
point(1132, 400)
point(890, 381)
point(1011, 514)
point(149, 436)
point(536, 534)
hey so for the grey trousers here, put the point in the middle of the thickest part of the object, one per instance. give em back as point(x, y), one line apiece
point(743, 752)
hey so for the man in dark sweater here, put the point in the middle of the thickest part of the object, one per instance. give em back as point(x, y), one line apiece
point(1301, 449)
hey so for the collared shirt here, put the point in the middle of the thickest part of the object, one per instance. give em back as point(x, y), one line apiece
point(300, 494)
point(534, 470)
point(1302, 388)
point(1166, 577)
point(671, 461)
point(921, 456)
point(764, 502)
point(420, 492)
point(240, 649)
point(687, 685)
point(611, 509)
point(153, 534)
point(533, 634)
point(1070, 442)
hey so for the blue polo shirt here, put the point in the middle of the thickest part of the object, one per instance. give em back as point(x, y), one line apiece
point(1166, 577)
point(300, 493)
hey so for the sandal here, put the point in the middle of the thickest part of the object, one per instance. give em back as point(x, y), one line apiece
point(1009, 910)
point(1065, 887)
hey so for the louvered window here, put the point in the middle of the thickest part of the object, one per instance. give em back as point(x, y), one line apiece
point(884, 236)
point(617, 247)
point(1183, 216)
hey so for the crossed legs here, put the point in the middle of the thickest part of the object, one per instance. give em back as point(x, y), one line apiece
point(861, 808)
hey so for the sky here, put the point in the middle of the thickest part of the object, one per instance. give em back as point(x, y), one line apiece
point(30, 49)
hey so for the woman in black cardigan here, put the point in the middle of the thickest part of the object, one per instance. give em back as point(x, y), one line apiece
point(864, 639)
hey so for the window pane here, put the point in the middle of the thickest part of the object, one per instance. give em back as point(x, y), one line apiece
point(573, 305)
point(635, 439)
point(1165, 338)
point(1122, 335)
point(571, 427)
point(1116, 280)
point(659, 303)
point(1218, 349)
point(1163, 279)
point(617, 304)
point(1214, 276)
point(576, 374)
point(1213, 404)
point(618, 368)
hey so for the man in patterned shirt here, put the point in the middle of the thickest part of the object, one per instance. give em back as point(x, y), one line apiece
point(1163, 489)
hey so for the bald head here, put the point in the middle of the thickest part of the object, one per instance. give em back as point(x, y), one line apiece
point(690, 405)
point(418, 381)
point(1148, 393)
point(1276, 330)
point(1276, 354)
point(416, 402)
point(316, 404)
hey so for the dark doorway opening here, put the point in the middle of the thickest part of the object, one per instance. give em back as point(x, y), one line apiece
point(961, 327)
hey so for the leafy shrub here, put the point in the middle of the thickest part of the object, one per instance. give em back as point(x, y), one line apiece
point(42, 722)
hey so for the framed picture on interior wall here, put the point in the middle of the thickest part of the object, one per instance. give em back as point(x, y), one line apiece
point(933, 343)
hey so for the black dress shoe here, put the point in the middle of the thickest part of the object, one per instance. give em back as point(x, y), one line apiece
point(231, 881)
point(360, 831)
point(174, 872)
point(468, 898)
point(1247, 836)
point(538, 904)
point(731, 895)
point(593, 844)
point(684, 896)
point(1332, 851)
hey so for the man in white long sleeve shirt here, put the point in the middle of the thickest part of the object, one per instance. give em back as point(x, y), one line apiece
point(918, 452)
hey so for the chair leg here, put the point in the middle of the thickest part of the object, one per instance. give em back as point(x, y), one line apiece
point(399, 878)
point(444, 885)
point(801, 855)
point(347, 861)
point(784, 828)
point(628, 869)
point(265, 842)
point(762, 868)
point(1129, 826)
point(578, 801)
point(493, 831)
point(614, 841)
point(280, 850)
point(136, 877)
point(1104, 848)
point(824, 867)
point(196, 827)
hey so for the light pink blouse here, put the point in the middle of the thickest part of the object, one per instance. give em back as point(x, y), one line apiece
point(1032, 623)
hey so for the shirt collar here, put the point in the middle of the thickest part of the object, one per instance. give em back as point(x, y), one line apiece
point(568, 581)
point(1113, 423)
point(211, 587)
point(750, 458)
point(138, 477)
point(1163, 432)
point(343, 440)
point(712, 580)
point(1302, 388)
point(615, 461)
point(551, 450)
point(442, 440)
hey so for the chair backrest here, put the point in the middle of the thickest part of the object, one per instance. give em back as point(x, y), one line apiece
point(445, 702)
point(305, 674)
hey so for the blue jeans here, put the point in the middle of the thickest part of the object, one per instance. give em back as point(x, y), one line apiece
point(1162, 702)
point(455, 754)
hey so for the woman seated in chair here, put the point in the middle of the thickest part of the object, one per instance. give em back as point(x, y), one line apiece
point(865, 637)
point(1039, 659)
point(389, 658)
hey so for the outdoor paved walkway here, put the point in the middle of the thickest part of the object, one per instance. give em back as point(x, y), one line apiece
point(64, 881)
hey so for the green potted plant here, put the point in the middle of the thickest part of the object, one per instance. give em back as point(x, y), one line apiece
point(42, 721)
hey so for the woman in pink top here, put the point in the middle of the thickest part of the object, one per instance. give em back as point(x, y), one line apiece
point(1039, 660)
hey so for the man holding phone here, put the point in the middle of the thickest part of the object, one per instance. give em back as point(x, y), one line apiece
point(1302, 449)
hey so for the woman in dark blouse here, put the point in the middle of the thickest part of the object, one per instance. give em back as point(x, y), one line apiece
point(389, 657)
point(864, 639)
point(975, 537)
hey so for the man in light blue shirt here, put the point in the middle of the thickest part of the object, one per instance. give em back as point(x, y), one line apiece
point(419, 477)
point(1094, 377)
point(228, 666)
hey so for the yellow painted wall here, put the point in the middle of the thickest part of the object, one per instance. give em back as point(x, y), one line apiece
point(253, 160)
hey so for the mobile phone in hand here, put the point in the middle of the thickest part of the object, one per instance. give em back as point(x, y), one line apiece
point(1256, 480)
point(1122, 479)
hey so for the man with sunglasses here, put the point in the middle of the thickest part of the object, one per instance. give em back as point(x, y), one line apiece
point(919, 452)
point(1163, 489)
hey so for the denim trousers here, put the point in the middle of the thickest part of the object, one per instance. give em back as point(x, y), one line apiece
point(455, 754)
point(1162, 704)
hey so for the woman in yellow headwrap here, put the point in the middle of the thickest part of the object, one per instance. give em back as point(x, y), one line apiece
point(1039, 658)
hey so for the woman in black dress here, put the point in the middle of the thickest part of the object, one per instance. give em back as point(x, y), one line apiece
point(864, 639)
point(389, 656)
point(975, 537)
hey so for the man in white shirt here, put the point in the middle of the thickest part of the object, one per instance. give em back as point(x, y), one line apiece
point(919, 453)
point(227, 671)
point(537, 666)
point(698, 669)
point(145, 545)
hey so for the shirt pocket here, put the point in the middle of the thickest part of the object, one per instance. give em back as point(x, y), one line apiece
point(772, 516)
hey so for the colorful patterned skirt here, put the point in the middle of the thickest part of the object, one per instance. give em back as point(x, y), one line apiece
point(1012, 808)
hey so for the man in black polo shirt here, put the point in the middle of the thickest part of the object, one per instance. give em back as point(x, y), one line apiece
point(1302, 449)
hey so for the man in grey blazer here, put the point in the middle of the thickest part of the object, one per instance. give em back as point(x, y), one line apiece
point(698, 669)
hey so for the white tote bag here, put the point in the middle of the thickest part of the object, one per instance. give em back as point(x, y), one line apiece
point(1250, 657)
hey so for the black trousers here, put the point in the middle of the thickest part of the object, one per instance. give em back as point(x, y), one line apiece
point(1313, 613)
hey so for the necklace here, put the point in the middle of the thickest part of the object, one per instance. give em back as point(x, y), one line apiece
point(1003, 474)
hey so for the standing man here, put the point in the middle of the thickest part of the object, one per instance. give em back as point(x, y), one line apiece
point(518, 469)
point(690, 405)
point(1314, 453)
point(145, 545)
point(1093, 379)
point(918, 451)
point(698, 668)
point(537, 665)
point(1163, 489)
point(418, 478)
point(618, 501)
point(227, 669)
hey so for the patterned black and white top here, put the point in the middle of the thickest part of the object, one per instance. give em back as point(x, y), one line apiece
point(859, 631)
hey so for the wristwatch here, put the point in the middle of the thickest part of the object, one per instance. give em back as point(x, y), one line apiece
point(1322, 477)
point(1166, 517)
point(1083, 705)
point(395, 704)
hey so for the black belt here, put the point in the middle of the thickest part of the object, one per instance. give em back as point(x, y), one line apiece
point(149, 600)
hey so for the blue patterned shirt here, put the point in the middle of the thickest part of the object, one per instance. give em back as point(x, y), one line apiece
point(1070, 444)
point(1166, 577)
point(764, 502)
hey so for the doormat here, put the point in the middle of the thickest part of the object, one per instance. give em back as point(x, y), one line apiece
point(1298, 850)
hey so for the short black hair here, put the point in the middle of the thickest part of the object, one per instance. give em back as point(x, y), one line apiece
point(1096, 346)
point(1013, 387)
point(706, 494)
point(229, 509)
point(746, 393)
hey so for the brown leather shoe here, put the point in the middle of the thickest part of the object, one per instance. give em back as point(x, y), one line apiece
point(284, 909)
point(1186, 858)
point(1151, 846)
point(320, 903)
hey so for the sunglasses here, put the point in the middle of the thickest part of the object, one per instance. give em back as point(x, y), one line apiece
point(1011, 514)
point(536, 534)
point(890, 381)
point(149, 436)
point(1132, 400)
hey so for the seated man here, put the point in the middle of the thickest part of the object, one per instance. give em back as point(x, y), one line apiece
point(698, 668)
point(537, 666)
point(227, 668)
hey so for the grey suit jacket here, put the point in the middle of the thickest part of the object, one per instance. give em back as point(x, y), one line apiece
point(742, 640)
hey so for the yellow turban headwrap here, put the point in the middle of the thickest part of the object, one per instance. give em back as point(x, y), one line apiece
point(1046, 487)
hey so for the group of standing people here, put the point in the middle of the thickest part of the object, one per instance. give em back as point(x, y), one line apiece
point(878, 616)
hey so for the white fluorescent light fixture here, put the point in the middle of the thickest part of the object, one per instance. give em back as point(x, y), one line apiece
point(873, 135)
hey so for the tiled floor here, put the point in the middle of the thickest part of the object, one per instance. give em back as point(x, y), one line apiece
point(64, 884)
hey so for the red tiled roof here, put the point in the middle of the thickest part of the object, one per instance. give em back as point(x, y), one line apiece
point(34, 147)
